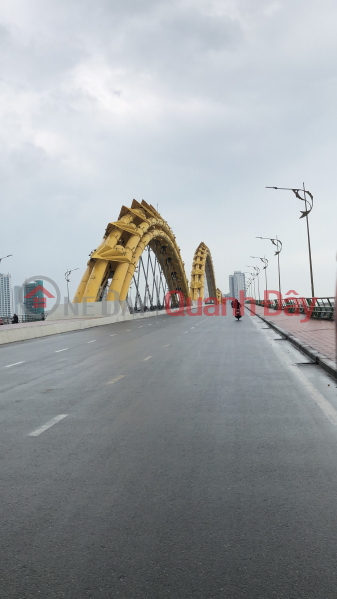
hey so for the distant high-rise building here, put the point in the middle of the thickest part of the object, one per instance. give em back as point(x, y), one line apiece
point(33, 297)
point(231, 285)
point(18, 300)
point(237, 283)
point(6, 307)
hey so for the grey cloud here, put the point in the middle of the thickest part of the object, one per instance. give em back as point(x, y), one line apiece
point(195, 111)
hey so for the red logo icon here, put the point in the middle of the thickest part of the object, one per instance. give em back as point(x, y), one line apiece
point(39, 302)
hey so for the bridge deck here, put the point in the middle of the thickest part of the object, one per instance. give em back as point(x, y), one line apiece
point(175, 458)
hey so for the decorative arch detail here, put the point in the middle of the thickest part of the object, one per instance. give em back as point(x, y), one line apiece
point(116, 258)
point(202, 275)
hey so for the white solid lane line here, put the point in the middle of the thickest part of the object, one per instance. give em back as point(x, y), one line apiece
point(323, 403)
point(117, 378)
point(93, 341)
point(48, 424)
point(148, 357)
point(16, 363)
point(58, 350)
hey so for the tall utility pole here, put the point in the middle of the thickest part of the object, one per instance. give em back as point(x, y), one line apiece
point(278, 243)
point(66, 276)
point(309, 201)
point(5, 257)
point(256, 274)
point(249, 281)
point(265, 262)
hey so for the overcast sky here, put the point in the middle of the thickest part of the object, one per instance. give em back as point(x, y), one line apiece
point(196, 105)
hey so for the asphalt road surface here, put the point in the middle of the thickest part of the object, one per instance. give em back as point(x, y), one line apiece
point(171, 457)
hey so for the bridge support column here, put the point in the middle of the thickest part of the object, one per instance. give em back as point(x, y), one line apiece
point(81, 288)
point(95, 280)
point(142, 243)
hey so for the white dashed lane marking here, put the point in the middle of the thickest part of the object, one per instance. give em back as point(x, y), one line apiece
point(15, 364)
point(148, 357)
point(117, 378)
point(114, 335)
point(93, 341)
point(167, 345)
point(48, 424)
point(58, 350)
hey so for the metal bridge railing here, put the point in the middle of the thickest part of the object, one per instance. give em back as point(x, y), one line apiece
point(324, 307)
point(24, 318)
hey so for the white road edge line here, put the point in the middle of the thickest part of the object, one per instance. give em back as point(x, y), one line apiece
point(48, 424)
point(16, 363)
point(117, 378)
point(148, 357)
point(58, 350)
point(319, 399)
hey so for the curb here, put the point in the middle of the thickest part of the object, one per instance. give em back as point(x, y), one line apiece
point(328, 365)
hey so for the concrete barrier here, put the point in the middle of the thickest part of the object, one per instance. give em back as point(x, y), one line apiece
point(91, 310)
point(35, 330)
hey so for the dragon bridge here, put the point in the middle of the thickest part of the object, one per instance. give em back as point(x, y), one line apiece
point(202, 276)
point(139, 261)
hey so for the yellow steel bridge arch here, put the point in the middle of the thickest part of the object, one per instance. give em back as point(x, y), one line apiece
point(123, 243)
point(203, 276)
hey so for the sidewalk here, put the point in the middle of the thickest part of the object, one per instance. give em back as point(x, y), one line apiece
point(315, 337)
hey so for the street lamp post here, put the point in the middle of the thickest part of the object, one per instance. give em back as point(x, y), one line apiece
point(5, 257)
point(257, 272)
point(278, 243)
point(258, 280)
point(309, 201)
point(66, 275)
point(265, 262)
point(249, 281)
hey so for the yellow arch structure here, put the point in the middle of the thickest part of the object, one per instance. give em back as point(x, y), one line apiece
point(203, 267)
point(118, 254)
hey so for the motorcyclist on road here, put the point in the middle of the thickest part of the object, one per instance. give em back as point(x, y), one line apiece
point(236, 304)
